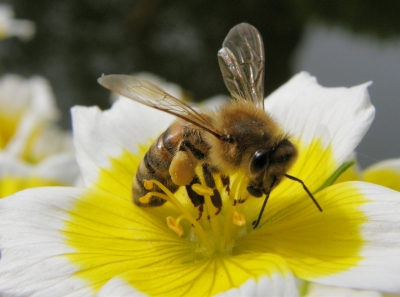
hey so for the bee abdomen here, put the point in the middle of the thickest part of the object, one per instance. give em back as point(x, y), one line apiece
point(155, 166)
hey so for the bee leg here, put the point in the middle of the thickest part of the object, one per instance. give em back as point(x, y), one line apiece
point(226, 182)
point(187, 145)
point(210, 182)
point(197, 200)
point(256, 222)
point(183, 164)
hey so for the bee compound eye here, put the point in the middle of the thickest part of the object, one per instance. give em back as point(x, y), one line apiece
point(258, 161)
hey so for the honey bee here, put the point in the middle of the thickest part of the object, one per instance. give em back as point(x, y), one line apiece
point(239, 136)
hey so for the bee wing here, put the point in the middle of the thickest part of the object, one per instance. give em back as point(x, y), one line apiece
point(148, 94)
point(242, 64)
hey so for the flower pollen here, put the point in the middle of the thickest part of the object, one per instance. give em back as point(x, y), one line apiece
point(175, 226)
point(202, 190)
point(214, 231)
point(239, 219)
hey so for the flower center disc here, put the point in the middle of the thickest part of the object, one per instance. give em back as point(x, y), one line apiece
point(213, 228)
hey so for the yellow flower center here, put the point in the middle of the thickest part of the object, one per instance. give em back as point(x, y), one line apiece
point(214, 230)
point(166, 249)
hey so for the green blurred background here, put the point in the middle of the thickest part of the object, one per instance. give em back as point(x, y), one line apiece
point(342, 42)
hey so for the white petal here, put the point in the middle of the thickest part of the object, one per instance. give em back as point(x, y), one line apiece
point(277, 285)
point(315, 290)
point(117, 287)
point(380, 268)
point(33, 247)
point(61, 168)
point(52, 140)
point(12, 27)
point(99, 135)
point(15, 94)
point(33, 96)
point(10, 166)
point(307, 111)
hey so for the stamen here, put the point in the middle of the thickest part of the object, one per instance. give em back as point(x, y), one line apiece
point(238, 219)
point(169, 196)
point(234, 186)
point(215, 226)
point(146, 198)
point(148, 185)
point(238, 191)
point(202, 190)
point(222, 229)
point(234, 222)
point(175, 226)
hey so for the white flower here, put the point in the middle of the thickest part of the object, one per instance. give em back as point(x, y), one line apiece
point(316, 290)
point(94, 241)
point(16, 175)
point(28, 116)
point(9, 26)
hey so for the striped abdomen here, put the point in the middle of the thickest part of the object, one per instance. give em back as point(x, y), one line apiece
point(155, 165)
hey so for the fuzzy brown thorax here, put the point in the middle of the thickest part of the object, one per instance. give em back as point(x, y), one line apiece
point(252, 131)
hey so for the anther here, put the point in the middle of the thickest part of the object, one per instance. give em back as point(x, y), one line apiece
point(148, 185)
point(238, 219)
point(145, 199)
point(175, 226)
point(202, 190)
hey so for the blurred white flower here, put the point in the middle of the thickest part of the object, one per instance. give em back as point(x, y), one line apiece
point(34, 151)
point(9, 26)
point(16, 175)
point(28, 116)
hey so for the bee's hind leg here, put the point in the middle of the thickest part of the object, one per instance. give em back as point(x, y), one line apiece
point(184, 162)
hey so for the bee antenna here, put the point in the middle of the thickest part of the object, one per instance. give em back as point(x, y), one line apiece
point(227, 138)
point(256, 222)
point(305, 189)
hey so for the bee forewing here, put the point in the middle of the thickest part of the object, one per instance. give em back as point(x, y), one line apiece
point(146, 93)
point(242, 64)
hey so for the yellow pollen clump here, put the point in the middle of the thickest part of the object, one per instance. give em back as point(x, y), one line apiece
point(145, 199)
point(182, 168)
point(202, 190)
point(214, 231)
point(238, 219)
point(148, 185)
point(175, 226)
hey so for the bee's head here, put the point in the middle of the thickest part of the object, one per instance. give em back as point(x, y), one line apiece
point(268, 166)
